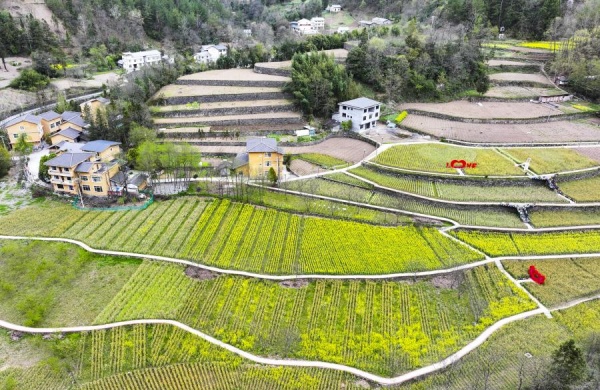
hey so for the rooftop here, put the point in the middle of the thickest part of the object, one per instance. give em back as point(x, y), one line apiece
point(68, 160)
point(142, 53)
point(27, 118)
point(49, 115)
point(69, 133)
point(85, 167)
point(98, 146)
point(74, 118)
point(361, 102)
point(262, 145)
point(240, 160)
point(71, 147)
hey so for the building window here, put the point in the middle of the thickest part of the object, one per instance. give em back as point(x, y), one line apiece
point(65, 169)
point(268, 163)
point(85, 187)
point(16, 136)
point(71, 188)
point(52, 125)
point(365, 110)
point(84, 178)
point(362, 126)
point(60, 186)
point(97, 188)
point(22, 127)
point(364, 118)
point(268, 154)
point(96, 179)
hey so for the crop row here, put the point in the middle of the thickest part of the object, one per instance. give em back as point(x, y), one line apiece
point(386, 327)
point(235, 236)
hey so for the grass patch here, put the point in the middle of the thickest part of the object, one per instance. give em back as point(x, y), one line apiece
point(322, 160)
point(56, 284)
point(566, 279)
point(565, 217)
point(582, 190)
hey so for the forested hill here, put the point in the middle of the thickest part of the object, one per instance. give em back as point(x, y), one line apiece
point(127, 22)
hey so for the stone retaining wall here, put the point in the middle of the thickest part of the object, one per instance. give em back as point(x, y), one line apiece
point(272, 71)
point(234, 83)
point(171, 101)
point(237, 122)
point(208, 112)
point(501, 121)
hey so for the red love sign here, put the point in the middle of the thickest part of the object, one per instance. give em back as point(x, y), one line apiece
point(536, 276)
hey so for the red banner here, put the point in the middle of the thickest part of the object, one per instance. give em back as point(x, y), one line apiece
point(536, 276)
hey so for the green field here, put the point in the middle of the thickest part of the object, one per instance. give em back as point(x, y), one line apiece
point(551, 160)
point(564, 217)
point(322, 160)
point(566, 279)
point(459, 192)
point(434, 157)
point(245, 237)
point(515, 244)
point(583, 190)
point(500, 217)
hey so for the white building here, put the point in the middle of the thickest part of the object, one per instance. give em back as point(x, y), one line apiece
point(343, 29)
point(334, 8)
point(363, 113)
point(135, 61)
point(210, 53)
point(318, 23)
point(304, 27)
point(247, 32)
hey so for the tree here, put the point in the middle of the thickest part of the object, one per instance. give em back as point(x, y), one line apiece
point(272, 176)
point(140, 134)
point(5, 162)
point(568, 365)
point(30, 80)
point(43, 170)
point(23, 146)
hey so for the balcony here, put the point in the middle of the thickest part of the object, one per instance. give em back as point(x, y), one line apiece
point(64, 181)
point(60, 173)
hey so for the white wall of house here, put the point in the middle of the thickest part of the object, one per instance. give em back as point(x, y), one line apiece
point(135, 61)
point(362, 118)
point(210, 53)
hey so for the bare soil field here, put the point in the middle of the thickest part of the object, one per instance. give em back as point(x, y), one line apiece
point(233, 74)
point(508, 76)
point(559, 131)
point(508, 63)
point(303, 168)
point(209, 119)
point(516, 92)
point(207, 90)
point(343, 148)
point(347, 149)
point(241, 103)
point(94, 82)
point(486, 110)
point(592, 152)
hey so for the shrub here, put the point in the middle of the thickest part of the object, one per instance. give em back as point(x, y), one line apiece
point(30, 80)
point(400, 117)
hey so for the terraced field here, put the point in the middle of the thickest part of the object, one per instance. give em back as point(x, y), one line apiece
point(434, 157)
point(473, 216)
point(534, 78)
point(518, 92)
point(551, 160)
point(549, 132)
point(467, 191)
point(582, 190)
point(245, 237)
point(486, 110)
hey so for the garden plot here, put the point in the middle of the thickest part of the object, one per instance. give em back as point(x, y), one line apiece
point(549, 132)
point(175, 90)
point(275, 65)
point(520, 77)
point(233, 74)
point(566, 279)
point(582, 190)
point(486, 110)
point(303, 168)
point(433, 157)
point(519, 92)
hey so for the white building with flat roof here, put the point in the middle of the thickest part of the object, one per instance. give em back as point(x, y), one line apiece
point(318, 23)
point(334, 8)
point(210, 53)
point(135, 61)
point(304, 27)
point(363, 112)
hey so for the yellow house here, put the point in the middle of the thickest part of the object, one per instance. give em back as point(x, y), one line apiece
point(85, 172)
point(51, 122)
point(68, 135)
point(261, 155)
point(73, 120)
point(30, 125)
point(95, 104)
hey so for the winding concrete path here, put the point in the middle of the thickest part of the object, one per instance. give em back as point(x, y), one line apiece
point(292, 363)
